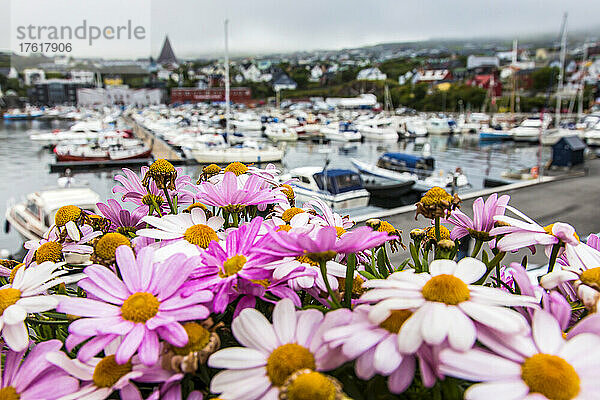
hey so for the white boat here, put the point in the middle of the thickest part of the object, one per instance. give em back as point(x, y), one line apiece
point(529, 130)
point(280, 132)
point(377, 129)
point(438, 126)
point(245, 125)
point(413, 127)
point(473, 123)
point(592, 136)
point(338, 188)
point(341, 132)
point(552, 136)
point(32, 217)
point(248, 152)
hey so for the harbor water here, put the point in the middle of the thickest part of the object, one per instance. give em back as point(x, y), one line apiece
point(24, 164)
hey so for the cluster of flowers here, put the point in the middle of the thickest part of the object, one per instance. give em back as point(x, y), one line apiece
point(227, 289)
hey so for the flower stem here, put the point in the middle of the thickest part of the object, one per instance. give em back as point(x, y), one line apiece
point(553, 256)
point(351, 265)
point(477, 248)
point(235, 219)
point(173, 211)
point(334, 301)
point(438, 235)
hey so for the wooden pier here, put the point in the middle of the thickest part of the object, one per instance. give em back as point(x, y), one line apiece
point(160, 148)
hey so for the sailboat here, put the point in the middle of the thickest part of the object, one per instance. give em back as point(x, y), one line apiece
point(248, 151)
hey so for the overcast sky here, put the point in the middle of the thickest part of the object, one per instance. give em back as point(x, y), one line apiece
point(195, 27)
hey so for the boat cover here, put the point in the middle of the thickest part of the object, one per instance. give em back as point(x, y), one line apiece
point(338, 180)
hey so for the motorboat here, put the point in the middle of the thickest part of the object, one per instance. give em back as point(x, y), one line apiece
point(408, 167)
point(33, 216)
point(552, 136)
point(341, 131)
point(438, 126)
point(280, 132)
point(250, 151)
point(493, 134)
point(99, 152)
point(473, 123)
point(17, 114)
point(413, 127)
point(338, 188)
point(529, 130)
point(377, 129)
point(385, 188)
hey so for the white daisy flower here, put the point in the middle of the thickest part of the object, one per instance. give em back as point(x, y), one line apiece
point(193, 230)
point(445, 305)
point(272, 353)
point(26, 295)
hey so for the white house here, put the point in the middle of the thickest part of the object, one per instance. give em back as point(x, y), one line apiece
point(316, 73)
point(87, 77)
point(251, 73)
point(371, 74)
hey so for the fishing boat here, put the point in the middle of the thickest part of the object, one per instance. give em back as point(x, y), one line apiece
point(280, 132)
point(33, 216)
point(341, 132)
point(338, 188)
point(98, 152)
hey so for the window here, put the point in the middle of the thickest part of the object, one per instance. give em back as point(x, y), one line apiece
point(33, 208)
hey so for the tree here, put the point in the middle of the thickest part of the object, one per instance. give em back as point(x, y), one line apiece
point(544, 78)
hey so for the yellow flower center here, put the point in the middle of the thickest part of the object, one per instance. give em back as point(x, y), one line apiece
point(50, 251)
point(446, 289)
point(106, 246)
point(198, 338)
point(591, 277)
point(13, 272)
point(262, 282)
point(161, 167)
point(321, 256)
point(550, 376)
point(386, 227)
point(285, 228)
point(9, 263)
point(311, 386)
point(394, 322)
point(357, 282)
point(140, 307)
point(107, 372)
point(288, 191)
point(66, 214)
point(200, 235)
point(9, 393)
point(232, 266)
point(287, 359)
point(8, 297)
point(237, 168)
point(128, 231)
point(444, 233)
point(436, 196)
point(306, 260)
point(340, 231)
point(196, 205)
point(418, 233)
point(211, 169)
point(290, 213)
point(149, 198)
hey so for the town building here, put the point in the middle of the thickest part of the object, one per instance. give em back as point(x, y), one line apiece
point(195, 95)
point(371, 74)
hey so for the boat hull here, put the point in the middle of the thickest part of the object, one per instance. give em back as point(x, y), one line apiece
point(227, 156)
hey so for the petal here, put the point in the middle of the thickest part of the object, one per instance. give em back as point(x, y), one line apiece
point(470, 269)
point(514, 389)
point(130, 344)
point(546, 332)
point(16, 336)
point(237, 358)
point(284, 321)
point(439, 267)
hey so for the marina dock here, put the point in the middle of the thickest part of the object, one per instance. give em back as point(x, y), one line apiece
point(160, 148)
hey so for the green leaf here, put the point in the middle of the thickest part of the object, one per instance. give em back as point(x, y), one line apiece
point(367, 275)
point(484, 257)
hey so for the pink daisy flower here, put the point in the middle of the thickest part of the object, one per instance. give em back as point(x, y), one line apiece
point(32, 377)
point(325, 215)
point(133, 190)
point(224, 265)
point(526, 233)
point(232, 196)
point(122, 220)
point(540, 366)
point(101, 376)
point(321, 243)
point(483, 218)
point(445, 304)
point(141, 308)
point(375, 349)
point(53, 244)
point(271, 352)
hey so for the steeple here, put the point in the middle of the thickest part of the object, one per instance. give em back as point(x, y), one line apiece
point(167, 56)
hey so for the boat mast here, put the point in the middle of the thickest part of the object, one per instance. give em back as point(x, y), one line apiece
point(582, 81)
point(513, 76)
point(226, 79)
point(563, 54)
